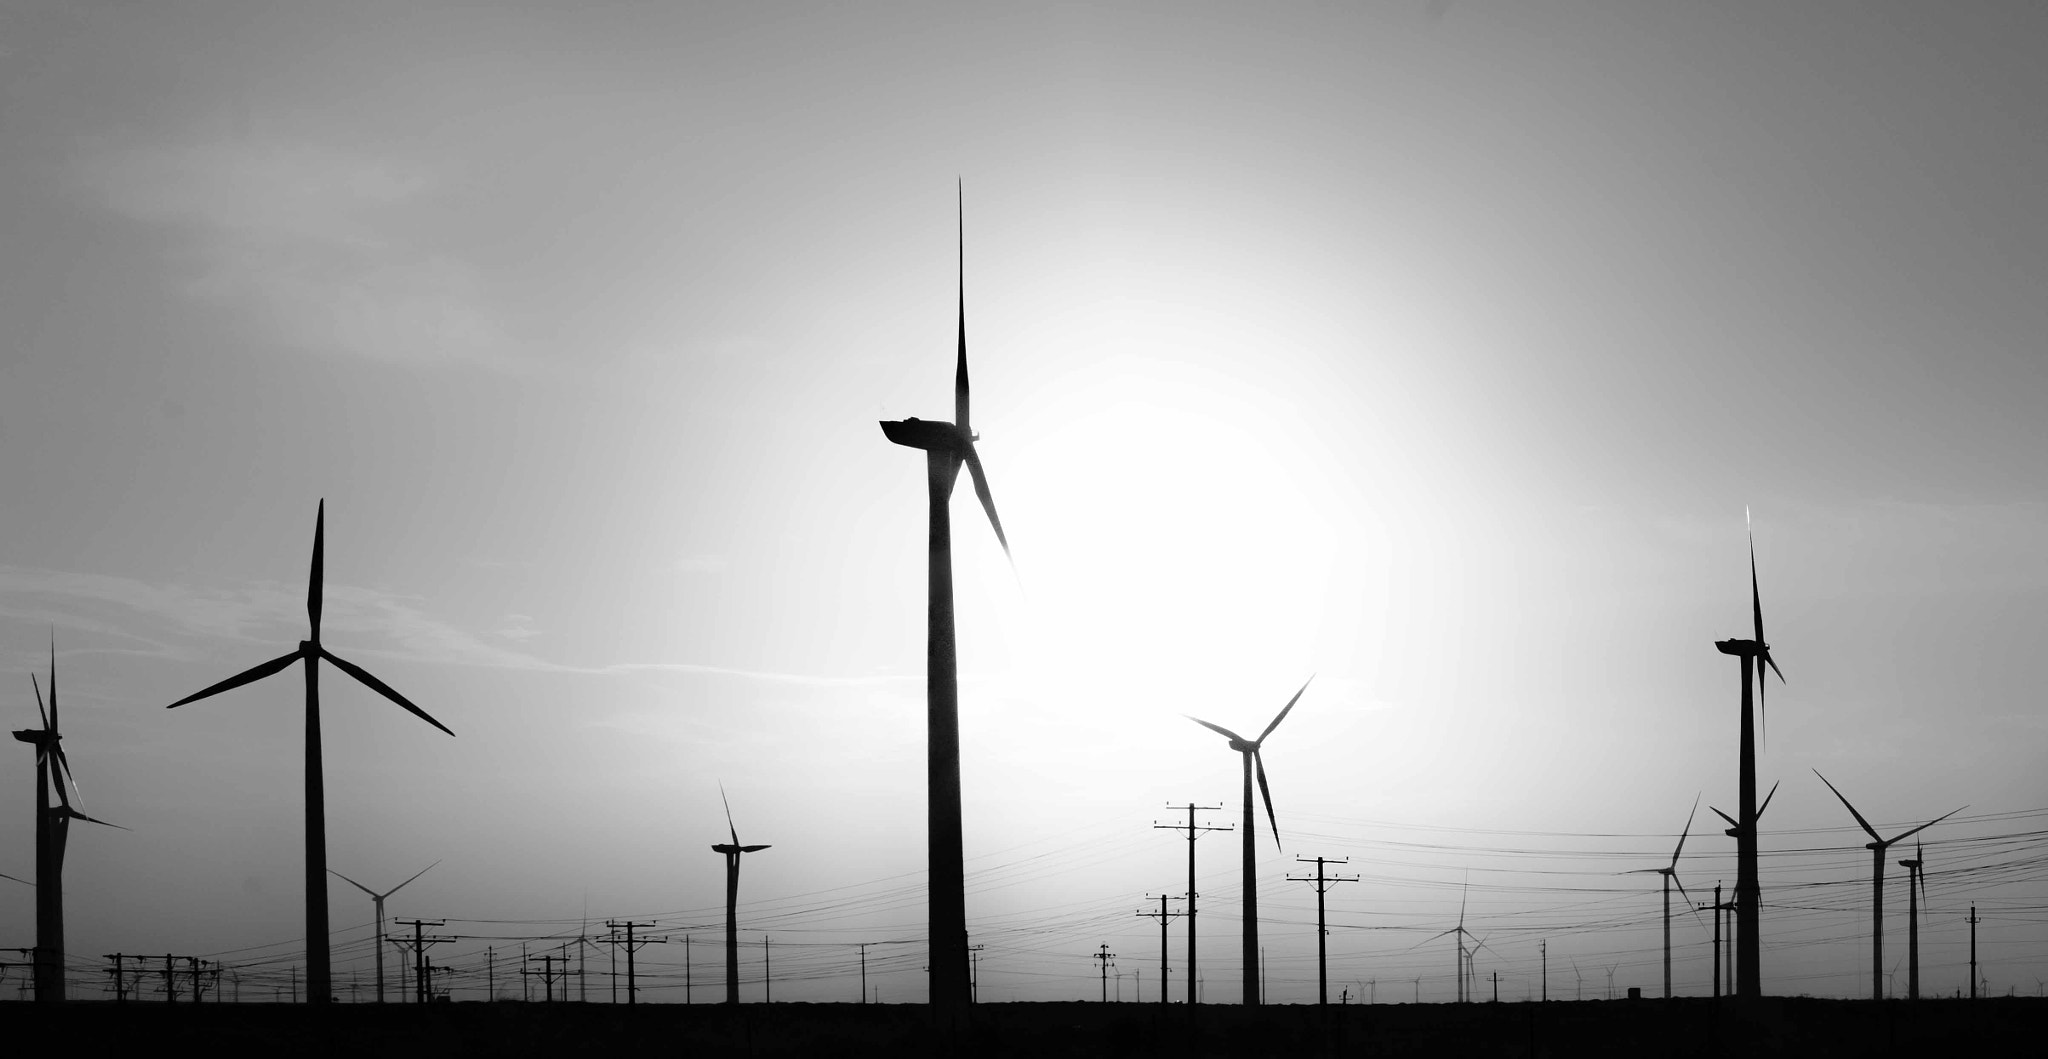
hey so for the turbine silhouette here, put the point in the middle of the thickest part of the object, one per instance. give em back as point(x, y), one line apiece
point(1748, 891)
point(732, 900)
point(377, 901)
point(946, 446)
point(1916, 891)
point(1670, 874)
point(1459, 934)
point(1877, 845)
point(1254, 762)
point(53, 832)
point(311, 652)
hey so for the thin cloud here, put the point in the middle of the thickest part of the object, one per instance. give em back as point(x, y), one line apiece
point(311, 245)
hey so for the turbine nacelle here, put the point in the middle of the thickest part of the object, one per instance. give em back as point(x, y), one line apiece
point(929, 434)
point(1743, 648)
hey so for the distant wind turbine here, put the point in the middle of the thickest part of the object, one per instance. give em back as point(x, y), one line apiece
point(1916, 888)
point(1877, 846)
point(1249, 749)
point(1459, 935)
point(377, 901)
point(53, 830)
point(1748, 892)
point(310, 650)
point(1670, 874)
point(732, 900)
point(946, 446)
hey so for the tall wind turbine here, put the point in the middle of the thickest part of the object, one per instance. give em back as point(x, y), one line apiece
point(732, 900)
point(1249, 749)
point(1670, 874)
point(1460, 935)
point(377, 900)
point(946, 446)
point(1877, 845)
point(1748, 892)
point(310, 650)
point(53, 830)
point(1916, 888)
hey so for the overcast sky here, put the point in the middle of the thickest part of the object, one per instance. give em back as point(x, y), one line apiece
point(1435, 349)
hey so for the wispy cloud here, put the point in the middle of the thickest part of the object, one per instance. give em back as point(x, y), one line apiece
point(314, 246)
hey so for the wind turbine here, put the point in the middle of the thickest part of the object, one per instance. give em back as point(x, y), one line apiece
point(1462, 934)
point(377, 900)
point(1249, 749)
point(310, 650)
point(1748, 892)
point(946, 446)
point(1916, 887)
point(53, 830)
point(1670, 874)
point(732, 898)
point(1877, 846)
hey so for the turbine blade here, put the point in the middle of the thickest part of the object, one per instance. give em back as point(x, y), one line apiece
point(1773, 663)
point(728, 815)
point(23, 882)
point(1688, 901)
point(1282, 715)
point(1725, 816)
point(960, 366)
point(318, 576)
point(1260, 767)
point(415, 875)
point(380, 687)
point(1756, 599)
point(1462, 897)
point(74, 814)
point(1217, 728)
point(1767, 801)
point(248, 676)
point(53, 680)
point(754, 849)
point(1932, 822)
point(40, 715)
point(988, 502)
point(1852, 811)
point(1683, 835)
point(373, 894)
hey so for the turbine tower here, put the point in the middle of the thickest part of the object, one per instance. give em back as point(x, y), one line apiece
point(1748, 892)
point(946, 446)
point(1734, 831)
point(732, 900)
point(1670, 874)
point(311, 652)
point(1249, 749)
point(1877, 845)
point(53, 830)
point(377, 901)
point(1459, 980)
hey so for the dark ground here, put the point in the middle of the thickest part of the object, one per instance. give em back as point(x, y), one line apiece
point(1644, 1029)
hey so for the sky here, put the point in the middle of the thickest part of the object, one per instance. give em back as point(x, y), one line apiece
point(1433, 350)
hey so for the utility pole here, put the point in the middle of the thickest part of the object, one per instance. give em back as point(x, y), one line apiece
point(1194, 832)
point(120, 975)
point(490, 974)
point(633, 945)
point(686, 967)
point(1973, 921)
point(1496, 987)
point(171, 983)
point(863, 972)
point(422, 987)
point(974, 978)
point(767, 974)
point(1323, 883)
point(548, 973)
point(1163, 916)
point(1104, 956)
point(1546, 970)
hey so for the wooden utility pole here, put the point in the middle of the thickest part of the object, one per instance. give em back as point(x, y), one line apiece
point(1973, 921)
point(422, 985)
point(633, 945)
point(1163, 916)
point(1194, 832)
point(1104, 957)
point(1323, 883)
